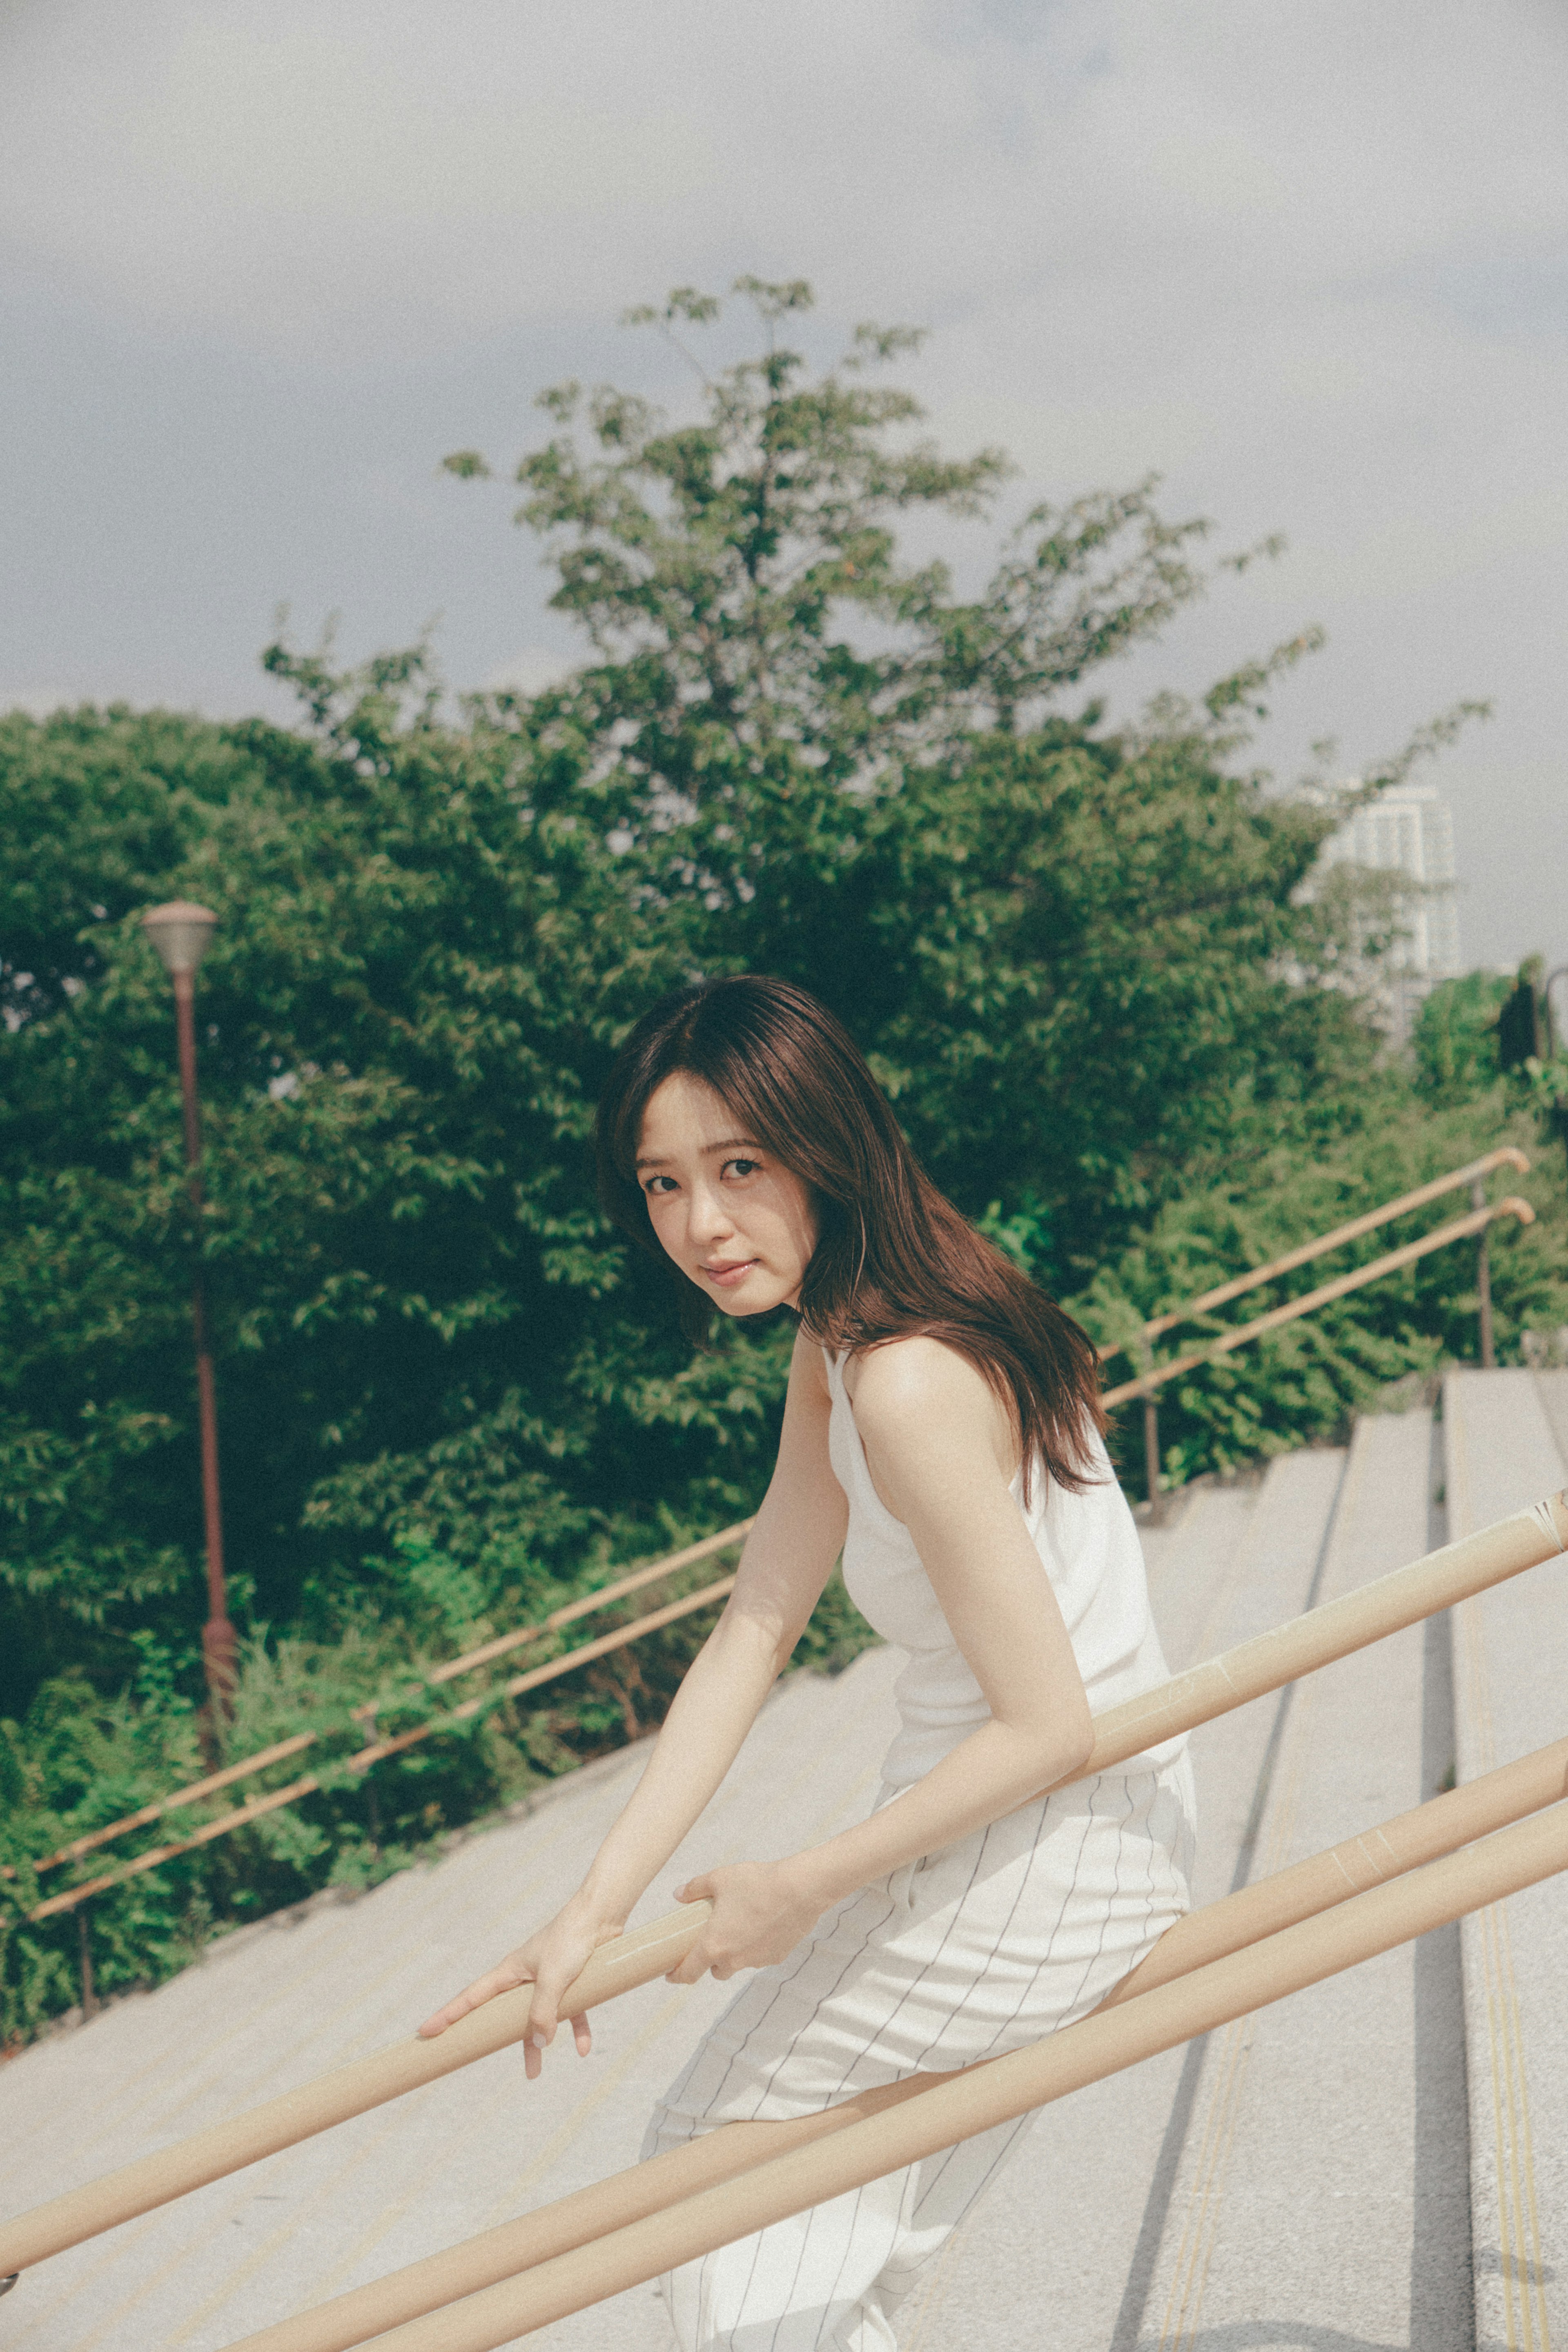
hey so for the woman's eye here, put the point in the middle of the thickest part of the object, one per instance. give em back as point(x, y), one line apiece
point(742, 1167)
point(655, 1184)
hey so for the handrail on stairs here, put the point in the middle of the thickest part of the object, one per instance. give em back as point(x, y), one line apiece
point(1480, 1216)
point(1507, 1155)
point(1458, 1851)
point(1474, 1222)
point(247, 1766)
point(362, 1760)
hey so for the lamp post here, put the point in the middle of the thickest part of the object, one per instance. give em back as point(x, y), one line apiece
point(1483, 1283)
point(1547, 985)
point(181, 932)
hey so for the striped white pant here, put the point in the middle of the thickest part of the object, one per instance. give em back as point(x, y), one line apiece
point(989, 1944)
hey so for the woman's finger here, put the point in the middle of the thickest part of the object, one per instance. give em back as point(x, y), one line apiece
point(542, 2021)
point(482, 1988)
point(544, 2018)
point(695, 1965)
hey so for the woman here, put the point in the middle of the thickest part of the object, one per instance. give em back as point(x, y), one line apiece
point(942, 1429)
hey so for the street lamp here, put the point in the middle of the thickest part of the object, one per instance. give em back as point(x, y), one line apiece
point(182, 932)
point(1547, 986)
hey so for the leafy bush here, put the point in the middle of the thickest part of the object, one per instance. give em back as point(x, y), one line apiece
point(1301, 1382)
point(77, 1761)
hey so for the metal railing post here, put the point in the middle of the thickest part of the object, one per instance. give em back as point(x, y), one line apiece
point(1483, 1282)
point(1152, 1453)
point(84, 1952)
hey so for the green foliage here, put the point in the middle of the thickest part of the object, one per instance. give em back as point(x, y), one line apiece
point(1084, 962)
point(419, 976)
point(1301, 1382)
point(81, 1758)
point(1455, 1037)
point(1063, 954)
point(739, 575)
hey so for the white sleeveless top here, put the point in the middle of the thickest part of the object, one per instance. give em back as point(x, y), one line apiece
point(1088, 1547)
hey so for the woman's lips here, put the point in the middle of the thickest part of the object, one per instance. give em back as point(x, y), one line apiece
point(727, 1276)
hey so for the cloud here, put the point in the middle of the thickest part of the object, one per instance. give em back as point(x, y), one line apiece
point(1304, 260)
point(36, 701)
point(333, 168)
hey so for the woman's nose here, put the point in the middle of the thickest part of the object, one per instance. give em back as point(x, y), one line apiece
point(710, 1218)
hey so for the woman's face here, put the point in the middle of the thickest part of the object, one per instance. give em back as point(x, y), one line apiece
point(736, 1223)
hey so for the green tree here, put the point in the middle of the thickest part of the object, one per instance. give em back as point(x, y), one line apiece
point(738, 576)
point(1080, 959)
point(1083, 960)
point(418, 974)
point(1455, 1041)
point(1076, 956)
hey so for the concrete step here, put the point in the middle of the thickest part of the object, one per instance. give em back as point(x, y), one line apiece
point(1551, 1389)
point(1317, 2199)
point(1074, 2233)
point(1505, 1444)
point(1191, 1558)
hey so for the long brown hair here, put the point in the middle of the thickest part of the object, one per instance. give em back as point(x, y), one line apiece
point(893, 1257)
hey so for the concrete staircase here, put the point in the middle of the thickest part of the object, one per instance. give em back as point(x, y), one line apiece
point(1381, 2162)
point(1500, 1431)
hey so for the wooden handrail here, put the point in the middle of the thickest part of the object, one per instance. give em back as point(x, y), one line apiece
point(1474, 1564)
point(1235, 1923)
point(1507, 1155)
point(241, 1817)
point(363, 1757)
point(195, 1790)
point(1438, 1238)
point(907, 2122)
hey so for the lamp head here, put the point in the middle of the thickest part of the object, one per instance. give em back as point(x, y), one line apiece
point(179, 931)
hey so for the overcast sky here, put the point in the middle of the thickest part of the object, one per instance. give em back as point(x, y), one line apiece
point(265, 262)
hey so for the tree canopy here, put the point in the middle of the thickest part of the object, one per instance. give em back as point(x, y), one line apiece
point(1113, 1022)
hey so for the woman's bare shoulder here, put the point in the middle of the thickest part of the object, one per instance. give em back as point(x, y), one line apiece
point(916, 1375)
point(919, 1401)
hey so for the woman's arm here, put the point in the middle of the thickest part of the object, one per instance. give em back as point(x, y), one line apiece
point(939, 1448)
point(787, 1560)
point(789, 1555)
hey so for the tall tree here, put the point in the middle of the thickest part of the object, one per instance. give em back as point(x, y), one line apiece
point(739, 577)
point(1080, 958)
point(1066, 947)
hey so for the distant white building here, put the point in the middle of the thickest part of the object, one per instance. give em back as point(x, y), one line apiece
point(1408, 829)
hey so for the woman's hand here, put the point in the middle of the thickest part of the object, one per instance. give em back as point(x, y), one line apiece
point(760, 1912)
point(549, 1961)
